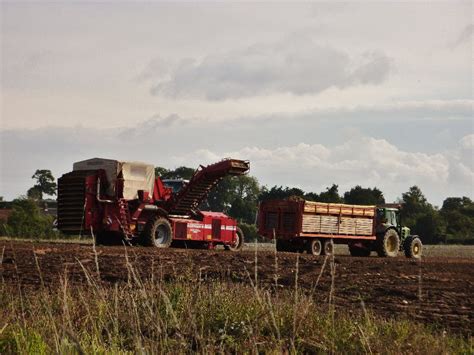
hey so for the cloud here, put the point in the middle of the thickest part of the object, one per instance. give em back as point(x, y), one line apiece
point(297, 65)
point(464, 37)
point(305, 150)
point(365, 161)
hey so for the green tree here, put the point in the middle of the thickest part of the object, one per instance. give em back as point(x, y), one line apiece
point(245, 202)
point(34, 193)
point(160, 171)
point(421, 216)
point(237, 196)
point(279, 193)
point(458, 215)
point(364, 196)
point(331, 195)
point(27, 221)
point(182, 172)
point(45, 184)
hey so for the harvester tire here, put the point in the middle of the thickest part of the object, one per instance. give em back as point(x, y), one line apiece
point(239, 241)
point(157, 233)
point(388, 244)
point(315, 246)
point(358, 251)
point(412, 247)
point(328, 247)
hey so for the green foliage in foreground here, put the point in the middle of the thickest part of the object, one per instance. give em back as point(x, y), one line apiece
point(27, 221)
point(192, 316)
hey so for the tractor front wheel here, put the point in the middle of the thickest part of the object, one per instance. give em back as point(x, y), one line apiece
point(157, 233)
point(388, 244)
point(412, 247)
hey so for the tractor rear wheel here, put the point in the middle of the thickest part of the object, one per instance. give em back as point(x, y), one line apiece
point(315, 247)
point(388, 244)
point(328, 247)
point(412, 247)
point(157, 233)
point(238, 242)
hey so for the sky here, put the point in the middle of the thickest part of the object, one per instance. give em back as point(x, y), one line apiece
point(352, 93)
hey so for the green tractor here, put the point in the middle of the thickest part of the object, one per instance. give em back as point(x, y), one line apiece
point(392, 236)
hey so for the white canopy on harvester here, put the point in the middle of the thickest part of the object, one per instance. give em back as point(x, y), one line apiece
point(136, 175)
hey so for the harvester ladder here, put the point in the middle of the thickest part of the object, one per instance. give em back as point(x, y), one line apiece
point(124, 219)
point(202, 182)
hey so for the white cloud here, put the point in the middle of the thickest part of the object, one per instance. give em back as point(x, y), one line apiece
point(465, 37)
point(362, 161)
point(297, 65)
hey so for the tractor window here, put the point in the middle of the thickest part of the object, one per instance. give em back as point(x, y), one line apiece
point(392, 218)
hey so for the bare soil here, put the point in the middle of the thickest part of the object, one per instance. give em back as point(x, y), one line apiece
point(436, 290)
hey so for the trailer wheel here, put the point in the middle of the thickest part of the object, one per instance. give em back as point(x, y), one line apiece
point(315, 247)
point(328, 247)
point(157, 233)
point(388, 244)
point(413, 247)
point(239, 241)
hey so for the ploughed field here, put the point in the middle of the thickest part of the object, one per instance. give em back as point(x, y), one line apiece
point(437, 290)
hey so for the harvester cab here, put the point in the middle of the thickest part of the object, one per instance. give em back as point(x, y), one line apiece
point(392, 235)
point(176, 185)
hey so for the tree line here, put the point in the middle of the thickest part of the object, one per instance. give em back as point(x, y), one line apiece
point(239, 197)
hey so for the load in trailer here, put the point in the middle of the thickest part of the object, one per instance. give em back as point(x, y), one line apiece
point(118, 201)
point(299, 225)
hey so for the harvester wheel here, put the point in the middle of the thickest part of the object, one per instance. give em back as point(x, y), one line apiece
point(239, 241)
point(157, 233)
point(315, 247)
point(412, 247)
point(388, 244)
point(359, 251)
point(328, 247)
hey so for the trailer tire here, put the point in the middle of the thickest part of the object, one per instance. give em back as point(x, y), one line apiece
point(412, 247)
point(315, 247)
point(328, 247)
point(239, 243)
point(157, 233)
point(388, 244)
point(358, 251)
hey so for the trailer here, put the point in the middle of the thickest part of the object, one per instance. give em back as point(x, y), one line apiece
point(117, 201)
point(299, 225)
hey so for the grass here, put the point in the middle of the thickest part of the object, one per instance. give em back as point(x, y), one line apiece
point(194, 315)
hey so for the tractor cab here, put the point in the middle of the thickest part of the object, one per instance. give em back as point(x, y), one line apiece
point(389, 217)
